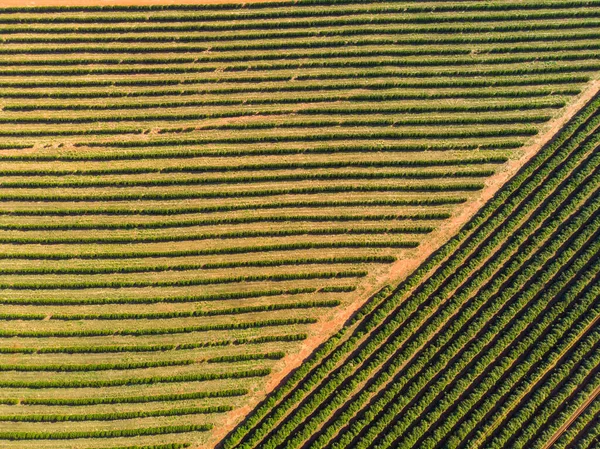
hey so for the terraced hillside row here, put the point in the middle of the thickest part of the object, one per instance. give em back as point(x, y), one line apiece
point(192, 198)
point(493, 343)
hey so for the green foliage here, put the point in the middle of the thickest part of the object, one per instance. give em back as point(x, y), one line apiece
point(117, 415)
point(156, 331)
point(133, 399)
point(154, 300)
point(245, 357)
point(201, 377)
point(198, 313)
point(166, 430)
point(188, 282)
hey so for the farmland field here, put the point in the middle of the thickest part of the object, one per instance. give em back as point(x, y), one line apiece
point(310, 224)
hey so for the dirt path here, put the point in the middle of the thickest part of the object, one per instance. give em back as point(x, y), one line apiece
point(33, 3)
point(573, 417)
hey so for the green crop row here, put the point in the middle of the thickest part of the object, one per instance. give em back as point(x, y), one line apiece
point(353, 98)
point(226, 296)
point(158, 196)
point(17, 316)
point(205, 266)
point(14, 146)
point(441, 134)
point(237, 220)
point(330, 149)
point(270, 339)
point(245, 357)
point(509, 77)
point(381, 122)
point(438, 84)
point(413, 8)
point(156, 331)
point(135, 399)
point(211, 236)
point(78, 132)
point(117, 415)
point(101, 367)
point(21, 436)
point(244, 56)
point(233, 220)
point(335, 289)
point(168, 182)
point(253, 84)
point(382, 52)
point(284, 13)
point(358, 98)
point(154, 446)
point(481, 72)
point(236, 57)
point(189, 253)
point(198, 313)
point(355, 109)
point(29, 172)
point(133, 381)
point(285, 44)
point(184, 282)
point(153, 348)
point(308, 33)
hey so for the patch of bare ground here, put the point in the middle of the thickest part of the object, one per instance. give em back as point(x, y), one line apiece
point(404, 266)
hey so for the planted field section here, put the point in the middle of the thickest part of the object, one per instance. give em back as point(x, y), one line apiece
point(192, 198)
point(493, 343)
